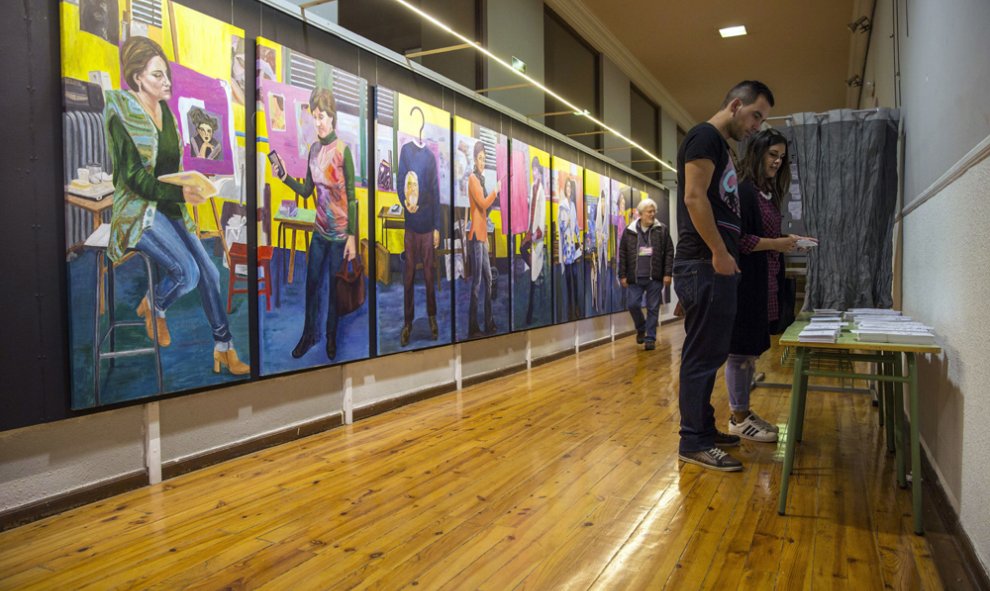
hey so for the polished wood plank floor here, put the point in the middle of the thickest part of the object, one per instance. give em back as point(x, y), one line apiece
point(563, 477)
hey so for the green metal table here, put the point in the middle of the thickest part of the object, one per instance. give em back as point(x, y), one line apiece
point(889, 373)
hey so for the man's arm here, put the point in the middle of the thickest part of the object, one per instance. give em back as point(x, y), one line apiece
point(697, 177)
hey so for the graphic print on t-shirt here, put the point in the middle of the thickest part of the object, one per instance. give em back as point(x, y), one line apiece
point(728, 188)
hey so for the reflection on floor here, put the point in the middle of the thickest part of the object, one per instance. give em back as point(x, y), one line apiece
point(562, 477)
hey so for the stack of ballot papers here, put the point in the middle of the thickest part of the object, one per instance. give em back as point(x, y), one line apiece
point(889, 326)
point(819, 332)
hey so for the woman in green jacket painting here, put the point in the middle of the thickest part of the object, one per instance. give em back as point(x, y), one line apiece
point(151, 216)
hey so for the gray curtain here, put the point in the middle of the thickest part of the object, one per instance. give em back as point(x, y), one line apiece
point(847, 171)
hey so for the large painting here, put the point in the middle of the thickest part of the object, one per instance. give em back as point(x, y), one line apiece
point(313, 247)
point(531, 236)
point(415, 260)
point(597, 196)
point(567, 190)
point(154, 192)
point(621, 199)
point(481, 216)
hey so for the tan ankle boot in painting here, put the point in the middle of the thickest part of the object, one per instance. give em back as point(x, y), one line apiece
point(145, 311)
point(229, 360)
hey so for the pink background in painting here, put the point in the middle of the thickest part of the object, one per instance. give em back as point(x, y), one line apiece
point(191, 84)
point(286, 143)
point(519, 210)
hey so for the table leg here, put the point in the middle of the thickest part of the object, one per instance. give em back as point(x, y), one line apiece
point(880, 404)
point(798, 391)
point(292, 256)
point(912, 370)
point(897, 409)
point(891, 409)
point(799, 428)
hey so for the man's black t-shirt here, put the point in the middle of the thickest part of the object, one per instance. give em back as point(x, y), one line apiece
point(705, 142)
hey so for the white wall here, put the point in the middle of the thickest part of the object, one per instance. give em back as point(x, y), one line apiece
point(946, 285)
point(47, 460)
point(945, 85)
point(945, 81)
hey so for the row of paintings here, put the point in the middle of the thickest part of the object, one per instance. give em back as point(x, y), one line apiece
point(432, 229)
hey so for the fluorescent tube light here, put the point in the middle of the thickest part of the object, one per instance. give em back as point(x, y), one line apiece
point(577, 110)
point(736, 31)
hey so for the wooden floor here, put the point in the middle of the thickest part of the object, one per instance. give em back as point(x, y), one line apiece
point(564, 477)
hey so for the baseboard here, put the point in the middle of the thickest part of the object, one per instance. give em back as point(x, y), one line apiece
point(378, 408)
point(72, 499)
point(977, 576)
point(594, 343)
point(175, 468)
point(624, 334)
point(492, 375)
point(552, 357)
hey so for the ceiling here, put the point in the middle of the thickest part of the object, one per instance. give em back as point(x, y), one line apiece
point(800, 49)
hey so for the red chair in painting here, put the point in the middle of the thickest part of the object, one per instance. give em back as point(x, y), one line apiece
point(237, 255)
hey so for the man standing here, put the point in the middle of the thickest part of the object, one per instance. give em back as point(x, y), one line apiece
point(705, 269)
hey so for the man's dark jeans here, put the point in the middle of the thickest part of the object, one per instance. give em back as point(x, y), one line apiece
point(709, 302)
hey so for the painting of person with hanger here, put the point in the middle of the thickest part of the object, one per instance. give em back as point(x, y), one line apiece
point(419, 194)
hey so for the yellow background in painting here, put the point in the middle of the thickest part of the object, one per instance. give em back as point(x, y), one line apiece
point(463, 126)
point(394, 239)
point(592, 186)
point(281, 192)
point(279, 57)
point(85, 52)
point(410, 123)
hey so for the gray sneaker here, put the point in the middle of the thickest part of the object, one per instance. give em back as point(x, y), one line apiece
point(714, 459)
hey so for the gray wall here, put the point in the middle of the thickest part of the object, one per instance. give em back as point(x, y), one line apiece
point(945, 83)
point(615, 110)
point(515, 28)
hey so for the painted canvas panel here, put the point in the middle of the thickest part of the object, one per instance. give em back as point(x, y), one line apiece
point(532, 305)
point(313, 246)
point(597, 196)
point(154, 193)
point(621, 198)
point(567, 189)
point(415, 258)
point(481, 230)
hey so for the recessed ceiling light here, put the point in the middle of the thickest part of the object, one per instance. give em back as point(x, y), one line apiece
point(735, 31)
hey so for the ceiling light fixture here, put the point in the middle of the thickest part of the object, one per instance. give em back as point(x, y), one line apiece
point(577, 110)
point(734, 31)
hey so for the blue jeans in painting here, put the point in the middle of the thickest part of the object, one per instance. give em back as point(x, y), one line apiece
point(325, 258)
point(180, 256)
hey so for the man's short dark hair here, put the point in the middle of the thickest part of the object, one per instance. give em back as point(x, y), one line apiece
point(748, 91)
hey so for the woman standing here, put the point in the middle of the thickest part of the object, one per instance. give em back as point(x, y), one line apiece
point(765, 177)
point(646, 260)
point(477, 242)
point(151, 216)
point(330, 174)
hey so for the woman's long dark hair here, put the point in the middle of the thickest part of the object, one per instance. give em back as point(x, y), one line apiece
point(752, 168)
